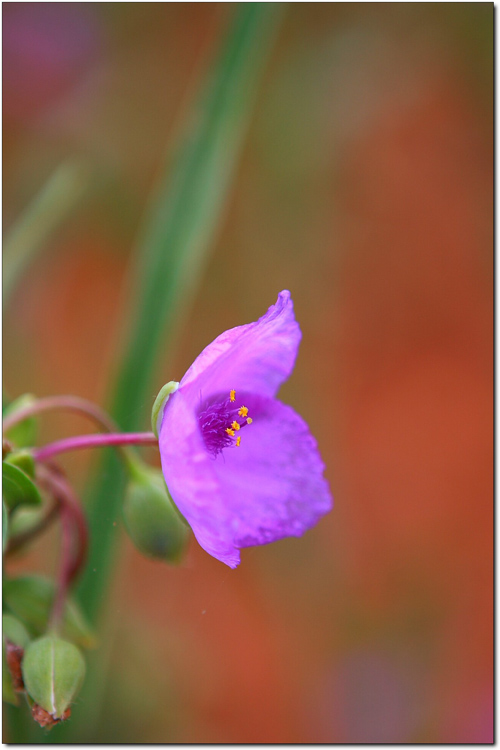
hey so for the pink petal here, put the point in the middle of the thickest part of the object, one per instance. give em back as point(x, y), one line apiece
point(256, 357)
point(270, 487)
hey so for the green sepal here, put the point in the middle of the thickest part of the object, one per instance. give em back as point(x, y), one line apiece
point(17, 487)
point(24, 460)
point(30, 598)
point(53, 672)
point(159, 404)
point(22, 434)
point(153, 522)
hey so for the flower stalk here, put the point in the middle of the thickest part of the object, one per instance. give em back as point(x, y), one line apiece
point(66, 403)
point(20, 539)
point(93, 441)
point(74, 545)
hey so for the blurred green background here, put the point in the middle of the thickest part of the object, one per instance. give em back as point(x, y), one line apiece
point(365, 186)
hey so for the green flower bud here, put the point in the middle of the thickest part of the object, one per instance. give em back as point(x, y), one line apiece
point(53, 672)
point(153, 522)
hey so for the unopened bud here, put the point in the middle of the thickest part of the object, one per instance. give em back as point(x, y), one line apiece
point(153, 522)
point(53, 672)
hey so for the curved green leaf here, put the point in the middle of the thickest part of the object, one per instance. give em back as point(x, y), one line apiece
point(22, 434)
point(17, 487)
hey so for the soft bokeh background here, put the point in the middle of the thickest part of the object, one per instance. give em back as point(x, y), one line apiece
point(366, 188)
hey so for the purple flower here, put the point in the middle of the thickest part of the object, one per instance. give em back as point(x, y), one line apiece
point(242, 467)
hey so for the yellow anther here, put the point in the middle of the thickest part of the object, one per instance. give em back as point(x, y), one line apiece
point(235, 425)
point(232, 395)
point(249, 420)
point(230, 431)
point(243, 411)
point(238, 441)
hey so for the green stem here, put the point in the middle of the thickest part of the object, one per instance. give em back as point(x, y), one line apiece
point(57, 199)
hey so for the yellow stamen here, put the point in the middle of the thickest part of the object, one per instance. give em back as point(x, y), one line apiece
point(238, 441)
point(249, 420)
point(243, 411)
point(230, 431)
point(232, 395)
point(235, 425)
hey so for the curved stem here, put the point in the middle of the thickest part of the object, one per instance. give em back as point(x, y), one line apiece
point(93, 441)
point(66, 566)
point(69, 403)
point(19, 540)
point(74, 535)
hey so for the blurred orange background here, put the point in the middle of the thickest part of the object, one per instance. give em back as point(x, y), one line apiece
point(366, 188)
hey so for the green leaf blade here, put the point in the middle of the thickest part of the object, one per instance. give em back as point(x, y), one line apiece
point(172, 253)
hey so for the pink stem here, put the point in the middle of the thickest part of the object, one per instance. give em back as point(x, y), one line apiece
point(93, 441)
point(74, 535)
point(22, 538)
point(69, 403)
point(66, 567)
point(67, 496)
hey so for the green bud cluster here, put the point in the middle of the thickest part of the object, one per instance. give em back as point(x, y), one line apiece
point(49, 667)
point(43, 629)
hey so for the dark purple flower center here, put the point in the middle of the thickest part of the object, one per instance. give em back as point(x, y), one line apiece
point(221, 422)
